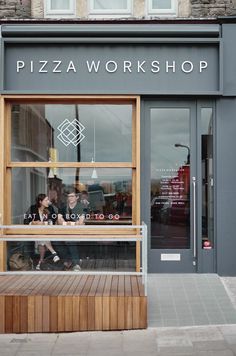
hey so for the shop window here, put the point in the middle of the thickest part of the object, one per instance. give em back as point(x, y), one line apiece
point(60, 8)
point(71, 161)
point(99, 195)
point(110, 7)
point(70, 196)
point(71, 133)
point(162, 7)
point(87, 146)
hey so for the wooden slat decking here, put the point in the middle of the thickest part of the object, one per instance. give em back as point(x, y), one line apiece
point(71, 303)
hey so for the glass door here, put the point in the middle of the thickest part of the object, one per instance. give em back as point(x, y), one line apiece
point(179, 177)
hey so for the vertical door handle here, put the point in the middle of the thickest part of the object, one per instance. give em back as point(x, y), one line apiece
point(194, 222)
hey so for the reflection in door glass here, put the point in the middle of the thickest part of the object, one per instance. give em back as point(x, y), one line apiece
point(207, 178)
point(170, 178)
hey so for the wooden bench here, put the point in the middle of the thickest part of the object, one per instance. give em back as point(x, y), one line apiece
point(61, 303)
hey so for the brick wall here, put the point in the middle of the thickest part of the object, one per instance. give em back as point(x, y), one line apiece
point(213, 8)
point(15, 8)
point(139, 8)
point(193, 8)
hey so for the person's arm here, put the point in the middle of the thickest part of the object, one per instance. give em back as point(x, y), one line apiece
point(81, 220)
point(85, 203)
point(53, 216)
point(60, 216)
point(60, 219)
point(31, 217)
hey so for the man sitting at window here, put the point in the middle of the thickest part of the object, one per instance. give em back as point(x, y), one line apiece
point(74, 211)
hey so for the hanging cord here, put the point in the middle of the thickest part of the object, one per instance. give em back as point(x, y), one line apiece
point(94, 141)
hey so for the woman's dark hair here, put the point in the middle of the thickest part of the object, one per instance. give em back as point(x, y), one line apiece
point(40, 198)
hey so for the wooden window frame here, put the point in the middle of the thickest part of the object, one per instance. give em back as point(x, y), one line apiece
point(6, 165)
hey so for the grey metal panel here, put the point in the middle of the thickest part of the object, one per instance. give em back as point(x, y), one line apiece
point(118, 82)
point(102, 40)
point(97, 30)
point(229, 59)
point(221, 66)
point(207, 261)
point(226, 187)
point(106, 92)
point(184, 266)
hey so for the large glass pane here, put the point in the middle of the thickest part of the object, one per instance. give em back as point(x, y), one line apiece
point(161, 4)
point(106, 256)
point(110, 4)
point(207, 178)
point(60, 4)
point(101, 195)
point(71, 133)
point(170, 178)
point(70, 197)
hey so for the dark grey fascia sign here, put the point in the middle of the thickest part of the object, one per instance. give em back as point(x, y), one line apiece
point(112, 68)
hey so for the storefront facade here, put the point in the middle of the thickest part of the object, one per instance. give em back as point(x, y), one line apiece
point(140, 117)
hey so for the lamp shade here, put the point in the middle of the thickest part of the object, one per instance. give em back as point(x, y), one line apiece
point(94, 174)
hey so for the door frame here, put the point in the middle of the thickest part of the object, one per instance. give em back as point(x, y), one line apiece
point(205, 261)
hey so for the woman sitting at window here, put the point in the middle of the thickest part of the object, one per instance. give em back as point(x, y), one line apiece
point(42, 213)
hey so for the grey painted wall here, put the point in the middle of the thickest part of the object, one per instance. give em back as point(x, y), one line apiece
point(226, 186)
point(229, 59)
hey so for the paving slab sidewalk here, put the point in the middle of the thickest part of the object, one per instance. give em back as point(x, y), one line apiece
point(215, 340)
point(206, 340)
